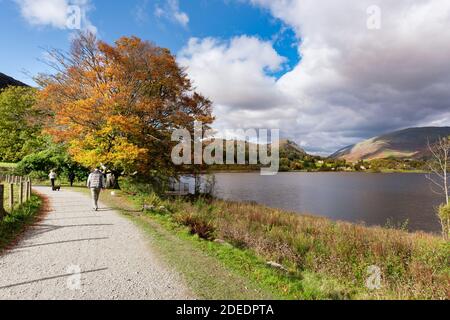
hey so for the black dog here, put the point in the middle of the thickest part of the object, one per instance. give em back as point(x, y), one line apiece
point(57, 188)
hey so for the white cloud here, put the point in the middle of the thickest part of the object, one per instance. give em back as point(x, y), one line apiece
point(55, 13)
point(362, 82)
point(352, 82)
point(171, 10)
point(182, 18)
point(235, 74)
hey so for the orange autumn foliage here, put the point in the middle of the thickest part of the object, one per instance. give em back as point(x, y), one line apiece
point(117, 105)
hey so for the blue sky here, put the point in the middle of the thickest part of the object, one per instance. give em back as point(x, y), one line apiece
point(23, 42)
point(367, 67)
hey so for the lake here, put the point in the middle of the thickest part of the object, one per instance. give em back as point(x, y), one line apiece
point(372, 199)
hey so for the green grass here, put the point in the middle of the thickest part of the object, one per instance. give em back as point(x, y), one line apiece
point(8, 165)
point(15, 223)
point(381, 171)
point(7, 168)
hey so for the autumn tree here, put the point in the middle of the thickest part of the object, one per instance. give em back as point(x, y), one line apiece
point(19, 130)
point(117, 105)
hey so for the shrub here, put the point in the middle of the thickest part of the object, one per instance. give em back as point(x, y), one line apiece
point(55, 157)
point(197, 224)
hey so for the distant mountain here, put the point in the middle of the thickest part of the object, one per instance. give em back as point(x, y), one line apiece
point(287, 148)
point(6, 81)
point(407, 144)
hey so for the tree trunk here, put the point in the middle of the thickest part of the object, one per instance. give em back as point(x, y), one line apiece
point(445, 169)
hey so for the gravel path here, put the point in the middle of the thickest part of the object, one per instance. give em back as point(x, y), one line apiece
point(75, 253)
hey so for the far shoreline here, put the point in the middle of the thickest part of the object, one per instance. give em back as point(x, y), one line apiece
point(305, 171)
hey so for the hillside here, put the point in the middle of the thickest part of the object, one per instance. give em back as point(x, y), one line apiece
point(291, 150)
point(6, 81)
point(406, 144)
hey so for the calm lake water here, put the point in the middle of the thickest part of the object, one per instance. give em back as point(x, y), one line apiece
point(372, 199)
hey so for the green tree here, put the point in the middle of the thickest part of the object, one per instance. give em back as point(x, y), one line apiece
point(19, 126)
point(54, 157)
point(285, 164)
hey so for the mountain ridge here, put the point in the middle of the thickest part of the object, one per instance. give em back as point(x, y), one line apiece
point(6, 81)
point(411, 143)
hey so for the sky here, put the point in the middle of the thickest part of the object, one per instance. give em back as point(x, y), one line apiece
point(326, 73)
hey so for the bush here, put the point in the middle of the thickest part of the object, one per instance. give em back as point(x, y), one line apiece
point(39, 164)
point(197, 224)
point(444, 217)
point(199, 218)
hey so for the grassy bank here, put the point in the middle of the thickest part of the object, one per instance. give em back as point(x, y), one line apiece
point(7, 165)
point(15, 222)
point(321, 259)
point(7, 168)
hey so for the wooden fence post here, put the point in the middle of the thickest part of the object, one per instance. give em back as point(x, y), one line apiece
point(30, 189)
point(21, 192)
point(11, 197)
point(2, 199)
point(27, 193)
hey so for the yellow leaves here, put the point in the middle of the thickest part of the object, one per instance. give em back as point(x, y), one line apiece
point(126, 124)
point(102, 148)
point(126, 154)
point(112, 144)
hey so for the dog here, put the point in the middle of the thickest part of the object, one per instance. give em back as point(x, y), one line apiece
point(57, 188)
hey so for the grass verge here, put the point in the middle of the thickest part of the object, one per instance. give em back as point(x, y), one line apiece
point(13, 224)
point(7, 165)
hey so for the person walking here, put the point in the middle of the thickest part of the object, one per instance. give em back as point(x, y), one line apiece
point(95, 184)
point(52, 177)
point(71, 178)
